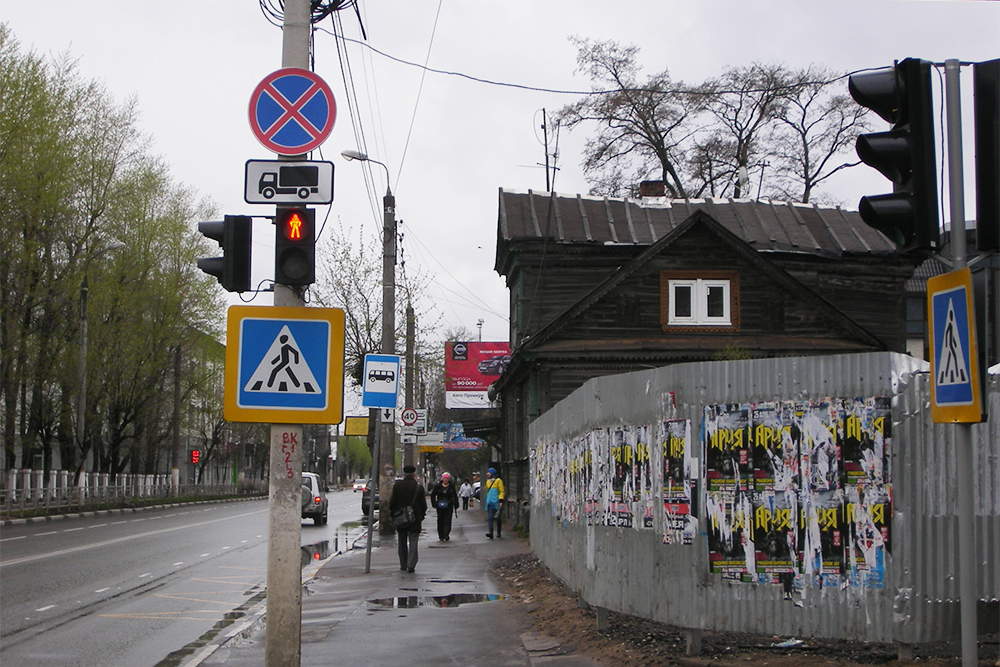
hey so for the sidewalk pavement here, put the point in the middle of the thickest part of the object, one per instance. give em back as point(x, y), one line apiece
point(450, 611)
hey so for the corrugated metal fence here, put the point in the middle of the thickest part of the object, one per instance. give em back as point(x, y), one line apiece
point(913, 598)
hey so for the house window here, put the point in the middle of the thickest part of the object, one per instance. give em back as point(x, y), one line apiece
point(699, 301)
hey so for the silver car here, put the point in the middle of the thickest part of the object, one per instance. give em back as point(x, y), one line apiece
point(314, 502)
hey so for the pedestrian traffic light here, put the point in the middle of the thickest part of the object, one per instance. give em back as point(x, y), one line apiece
point(295, 246)
point(986, 87)
point(234, 235)
point(195, 455)
point(904, 154)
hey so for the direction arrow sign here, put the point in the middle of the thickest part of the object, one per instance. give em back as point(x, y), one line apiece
point(281, 182)
point(284, 365)
point(955, 383)
point(292, 111)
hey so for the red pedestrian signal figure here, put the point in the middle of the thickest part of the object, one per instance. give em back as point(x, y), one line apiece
point(195, 455)
point(295, 246)
point(294, 223)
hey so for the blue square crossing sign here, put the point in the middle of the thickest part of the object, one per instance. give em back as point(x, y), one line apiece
point(955, 382)
point(284, 365)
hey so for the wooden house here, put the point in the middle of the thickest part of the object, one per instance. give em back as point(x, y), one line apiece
point(604, 285)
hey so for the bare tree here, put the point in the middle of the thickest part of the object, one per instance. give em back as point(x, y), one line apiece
point(746, 102)
point(818, 124)
point(643, 126)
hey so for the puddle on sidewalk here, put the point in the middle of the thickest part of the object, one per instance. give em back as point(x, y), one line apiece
point(414, 601)
point(346, 538)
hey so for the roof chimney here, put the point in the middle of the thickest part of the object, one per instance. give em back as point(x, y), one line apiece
point(652, 189)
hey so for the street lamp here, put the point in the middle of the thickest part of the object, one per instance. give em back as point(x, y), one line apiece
point(385, 453)
point(81, 403)
point(480, 325)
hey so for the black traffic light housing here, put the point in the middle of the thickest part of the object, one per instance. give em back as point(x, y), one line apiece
point(295, 245)
point(234, 234)
point(905, 154)
point(986, 86)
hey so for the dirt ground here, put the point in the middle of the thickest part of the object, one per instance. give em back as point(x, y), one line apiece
point(637, 642)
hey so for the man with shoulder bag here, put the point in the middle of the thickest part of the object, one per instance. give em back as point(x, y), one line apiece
point(407, 506)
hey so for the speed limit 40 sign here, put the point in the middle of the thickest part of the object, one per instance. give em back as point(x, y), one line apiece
point(409, 417)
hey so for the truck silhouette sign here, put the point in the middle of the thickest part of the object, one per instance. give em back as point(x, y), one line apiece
point(301, 180)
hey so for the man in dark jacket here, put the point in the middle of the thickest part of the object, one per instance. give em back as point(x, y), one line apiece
point(444, 498)
point(408, 492)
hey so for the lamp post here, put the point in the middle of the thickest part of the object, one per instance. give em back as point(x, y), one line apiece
point(81, 403)
point(385, 453)
point(480, 325)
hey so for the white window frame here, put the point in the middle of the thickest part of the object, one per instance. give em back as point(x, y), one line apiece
point(699, 302)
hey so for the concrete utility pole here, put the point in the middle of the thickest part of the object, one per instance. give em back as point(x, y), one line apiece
point(408, 458)
point(283, 633)
point(387, 448)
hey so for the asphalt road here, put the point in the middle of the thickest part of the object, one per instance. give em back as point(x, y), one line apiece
point(143, 588)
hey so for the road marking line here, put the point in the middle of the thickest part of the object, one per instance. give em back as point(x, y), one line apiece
point(118, 540)
point(22, 537)
point(143, 576)
point(187, 599)
point(203, 555)
point(51, 532)
point(178, 563)
point(72, 530)
point(46, 608)
point(103, 590)
point(100, 525)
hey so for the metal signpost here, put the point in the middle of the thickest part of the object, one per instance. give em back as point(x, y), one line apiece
point(380, 390)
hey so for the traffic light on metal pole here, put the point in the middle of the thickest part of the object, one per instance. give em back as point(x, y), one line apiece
point(234, 235)
point(905, 154)
point(295, 246)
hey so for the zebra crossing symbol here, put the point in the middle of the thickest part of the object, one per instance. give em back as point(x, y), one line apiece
point(952, 369)
point(283, 368)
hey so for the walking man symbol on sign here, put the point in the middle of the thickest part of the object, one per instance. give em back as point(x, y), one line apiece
point(282, 370)
point(952, 368)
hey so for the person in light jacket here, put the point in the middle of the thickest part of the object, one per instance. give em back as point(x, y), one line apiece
point(465, 493)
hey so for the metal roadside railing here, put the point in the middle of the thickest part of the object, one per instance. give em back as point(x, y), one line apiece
point(42, 502)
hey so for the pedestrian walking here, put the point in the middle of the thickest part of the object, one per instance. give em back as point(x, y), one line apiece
point(407, 492)
point(465, 493)
point(494, 501)
point(444, 498)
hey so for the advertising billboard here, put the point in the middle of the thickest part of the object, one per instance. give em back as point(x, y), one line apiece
point(469, 370)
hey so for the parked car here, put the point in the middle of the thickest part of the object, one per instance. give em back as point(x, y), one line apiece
point(495, 365)
point(360, 485)
point(365, 496)
point(314, 501)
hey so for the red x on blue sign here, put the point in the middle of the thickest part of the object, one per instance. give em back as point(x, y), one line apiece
point(292, 111)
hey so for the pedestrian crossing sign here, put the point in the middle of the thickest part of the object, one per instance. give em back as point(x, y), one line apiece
point(955, 383)
point(284, 365)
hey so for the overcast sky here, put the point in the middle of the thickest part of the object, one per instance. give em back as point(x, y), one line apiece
point(450, 143)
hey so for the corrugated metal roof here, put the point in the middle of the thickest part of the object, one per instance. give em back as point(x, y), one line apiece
point(765, 225)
